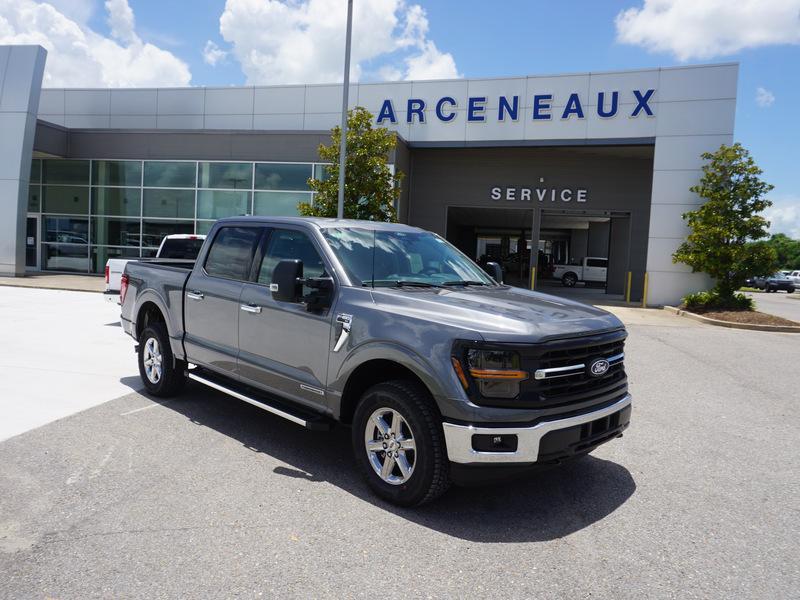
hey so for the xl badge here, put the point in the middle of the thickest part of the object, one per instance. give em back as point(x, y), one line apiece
point(599, 367)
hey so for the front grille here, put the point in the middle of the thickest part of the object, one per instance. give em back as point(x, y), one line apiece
point(566, 381)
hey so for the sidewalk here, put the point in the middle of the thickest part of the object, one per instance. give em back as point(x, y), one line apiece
point(57, 281)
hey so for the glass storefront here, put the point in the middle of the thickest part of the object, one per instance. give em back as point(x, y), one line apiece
point(93, 210)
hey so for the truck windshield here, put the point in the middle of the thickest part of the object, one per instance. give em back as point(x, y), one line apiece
point(402, 258)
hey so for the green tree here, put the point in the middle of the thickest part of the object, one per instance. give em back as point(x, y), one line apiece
point(787, 250)
point(725, 229)
point(370, 189)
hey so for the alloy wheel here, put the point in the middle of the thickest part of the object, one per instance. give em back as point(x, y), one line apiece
point(153, 360)
point(390, 446)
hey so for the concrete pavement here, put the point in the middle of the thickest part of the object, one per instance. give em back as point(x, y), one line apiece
point(205, 496)
point(61, 352)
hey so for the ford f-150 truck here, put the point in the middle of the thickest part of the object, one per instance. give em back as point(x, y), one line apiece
point(590, 270)
point(443, 374)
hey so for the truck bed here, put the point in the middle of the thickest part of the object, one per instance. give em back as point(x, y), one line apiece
point(162, 282)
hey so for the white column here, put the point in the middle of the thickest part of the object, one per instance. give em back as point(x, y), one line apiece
point(21, 71)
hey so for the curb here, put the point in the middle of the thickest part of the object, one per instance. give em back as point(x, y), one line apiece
point(47, 287)
point(730, 324)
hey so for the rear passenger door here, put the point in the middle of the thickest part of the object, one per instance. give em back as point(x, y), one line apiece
point(211, 307)
point(284, 348)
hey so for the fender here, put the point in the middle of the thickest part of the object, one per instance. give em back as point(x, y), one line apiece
point(175, 332)
point(441, 385)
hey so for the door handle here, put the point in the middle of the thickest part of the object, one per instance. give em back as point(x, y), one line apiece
point(195, 295)
point(251, 308)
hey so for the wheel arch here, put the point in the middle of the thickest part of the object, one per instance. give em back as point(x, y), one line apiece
point(377, 370)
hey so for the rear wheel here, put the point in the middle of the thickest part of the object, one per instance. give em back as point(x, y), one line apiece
point(161, 373)
point(399, 444)
point(569, 279)
point(790, 290)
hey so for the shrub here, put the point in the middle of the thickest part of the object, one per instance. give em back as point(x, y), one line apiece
point(713, 301)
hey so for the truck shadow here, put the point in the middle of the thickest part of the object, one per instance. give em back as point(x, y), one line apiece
point(540, 507)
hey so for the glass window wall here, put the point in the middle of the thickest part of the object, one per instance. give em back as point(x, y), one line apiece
point(93, 210)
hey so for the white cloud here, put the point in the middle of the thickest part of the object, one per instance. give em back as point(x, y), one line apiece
point(784, 217)
point(213, 54)
point(702, 29)
point(77, 56)
point(764, 98)
point(303, 41)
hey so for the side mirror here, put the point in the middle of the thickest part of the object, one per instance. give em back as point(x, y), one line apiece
point(321, 294)
point(495, 271)
point(287, 281)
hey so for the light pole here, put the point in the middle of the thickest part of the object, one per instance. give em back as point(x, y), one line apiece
point(345, 93)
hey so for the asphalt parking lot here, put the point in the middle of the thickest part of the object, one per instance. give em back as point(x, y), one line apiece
point(778, 303)
point(204, 496)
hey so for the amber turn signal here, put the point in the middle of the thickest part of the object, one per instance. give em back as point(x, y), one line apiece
point(459, 372)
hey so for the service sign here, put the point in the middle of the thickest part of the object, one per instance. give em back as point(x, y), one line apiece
point(509, 108)
point(540, 194)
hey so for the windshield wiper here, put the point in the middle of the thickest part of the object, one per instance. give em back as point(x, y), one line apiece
point(398, 283)
point(464, 283)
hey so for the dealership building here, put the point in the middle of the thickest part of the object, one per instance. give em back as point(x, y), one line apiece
point(524, 170)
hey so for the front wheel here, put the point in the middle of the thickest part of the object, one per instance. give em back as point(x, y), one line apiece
point(790, 291)
point(399, 444)
point(161, 374)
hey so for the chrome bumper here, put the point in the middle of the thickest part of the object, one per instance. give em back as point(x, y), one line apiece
point(459, 437)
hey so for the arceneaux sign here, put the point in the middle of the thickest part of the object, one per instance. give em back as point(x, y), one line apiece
point(508, 107)
point(540, 194)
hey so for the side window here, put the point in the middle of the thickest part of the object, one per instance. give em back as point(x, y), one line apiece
point(596, 262)
point(232, 252)
point(286, 244)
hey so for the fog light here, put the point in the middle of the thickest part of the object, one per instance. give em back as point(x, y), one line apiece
point(494, 443)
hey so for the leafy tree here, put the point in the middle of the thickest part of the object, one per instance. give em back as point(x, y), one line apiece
point(725, 228)
point(787, 250)
point(370, 189)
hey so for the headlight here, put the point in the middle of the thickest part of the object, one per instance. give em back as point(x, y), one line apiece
point(497, 372)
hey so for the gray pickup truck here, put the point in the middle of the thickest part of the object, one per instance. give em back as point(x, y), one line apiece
point(443, 374)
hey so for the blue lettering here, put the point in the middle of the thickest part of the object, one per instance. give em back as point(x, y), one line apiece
point(505, 108)
point(415, 107)
point(642, 102)
point(387, 112)
point(573, 107)
point(601, 104)
point(439, 114)
point(475, 108)
point(541, 103)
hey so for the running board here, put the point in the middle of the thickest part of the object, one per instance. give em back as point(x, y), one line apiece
point(307, 420)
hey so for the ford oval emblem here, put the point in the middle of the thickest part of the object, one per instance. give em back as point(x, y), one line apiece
point(599, 367)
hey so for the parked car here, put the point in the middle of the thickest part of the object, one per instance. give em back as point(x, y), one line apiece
point(444, 374)
point(590, 270)
point(775, 282)
point(794, 277)
point(177, 247)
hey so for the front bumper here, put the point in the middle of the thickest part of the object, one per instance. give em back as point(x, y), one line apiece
point(529, 447)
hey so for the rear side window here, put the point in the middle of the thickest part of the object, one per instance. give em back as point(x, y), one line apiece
point(232, 252)
point(596, 262)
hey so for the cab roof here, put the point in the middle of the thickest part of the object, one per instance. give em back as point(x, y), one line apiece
point(323, 223)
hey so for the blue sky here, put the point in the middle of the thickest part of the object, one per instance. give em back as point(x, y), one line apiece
point(206, 42)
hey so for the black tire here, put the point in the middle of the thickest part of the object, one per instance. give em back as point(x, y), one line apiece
point(569, 279)
point(173, 372)
point(429, 478)
point(790, 291)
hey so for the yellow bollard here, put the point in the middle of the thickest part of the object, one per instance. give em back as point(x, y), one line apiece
point(533, 277)
point(644, 297)
point(628, 289)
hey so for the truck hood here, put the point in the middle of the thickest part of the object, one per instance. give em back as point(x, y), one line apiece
point(502, 314)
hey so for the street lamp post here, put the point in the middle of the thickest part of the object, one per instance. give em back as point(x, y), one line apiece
point(345, 93)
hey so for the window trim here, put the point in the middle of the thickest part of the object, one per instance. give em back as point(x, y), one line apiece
point(254, 249)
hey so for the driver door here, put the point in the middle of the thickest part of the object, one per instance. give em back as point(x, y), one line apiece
point(284, 348)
